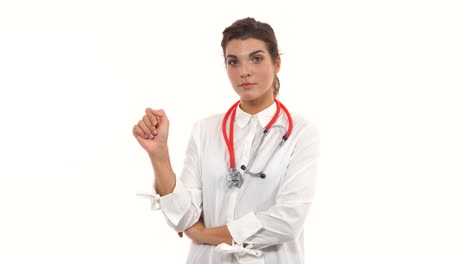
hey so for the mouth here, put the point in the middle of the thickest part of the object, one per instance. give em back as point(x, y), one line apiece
point(247, 84)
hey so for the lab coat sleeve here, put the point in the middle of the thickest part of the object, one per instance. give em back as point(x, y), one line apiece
point(182, 207)
point(284, 221)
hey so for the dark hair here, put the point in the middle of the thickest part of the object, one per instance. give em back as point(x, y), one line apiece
point(251, 28)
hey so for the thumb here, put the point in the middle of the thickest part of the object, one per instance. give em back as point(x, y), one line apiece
point(161, 114)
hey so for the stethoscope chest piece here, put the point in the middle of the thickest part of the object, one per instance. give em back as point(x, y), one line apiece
point(234, 179)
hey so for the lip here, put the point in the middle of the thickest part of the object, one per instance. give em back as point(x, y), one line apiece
point(247, 84)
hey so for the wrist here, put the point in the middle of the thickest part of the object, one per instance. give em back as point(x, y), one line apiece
point(165, 179)
point(160, 159)
point(161, 154)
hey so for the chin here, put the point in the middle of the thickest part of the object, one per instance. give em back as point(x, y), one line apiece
point(246, 95)
point(254, 96)
point(249, 97)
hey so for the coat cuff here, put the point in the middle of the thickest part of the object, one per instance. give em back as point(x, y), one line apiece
point(244, 227)
point(175, 205)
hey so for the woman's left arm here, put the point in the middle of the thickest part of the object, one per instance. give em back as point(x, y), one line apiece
point(283, 221)
point(212, 236)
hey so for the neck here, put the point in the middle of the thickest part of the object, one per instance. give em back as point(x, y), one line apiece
point(254, 106)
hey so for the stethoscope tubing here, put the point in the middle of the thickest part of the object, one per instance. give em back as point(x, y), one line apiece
point(231, 113)
point(261, 174)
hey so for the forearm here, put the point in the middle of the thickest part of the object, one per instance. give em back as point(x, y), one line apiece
point(165, 179)
point(215, 236)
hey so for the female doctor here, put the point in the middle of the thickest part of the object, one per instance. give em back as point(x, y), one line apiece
point(248, 178)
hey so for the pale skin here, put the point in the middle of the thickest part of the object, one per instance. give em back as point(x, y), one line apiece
point(251, 71)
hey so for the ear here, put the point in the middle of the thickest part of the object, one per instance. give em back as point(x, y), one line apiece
point(277, 64)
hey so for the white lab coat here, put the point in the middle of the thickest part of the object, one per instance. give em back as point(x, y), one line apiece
point(268, 214)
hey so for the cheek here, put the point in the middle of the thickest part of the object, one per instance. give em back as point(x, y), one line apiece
point(231, 75)
point(266, 73)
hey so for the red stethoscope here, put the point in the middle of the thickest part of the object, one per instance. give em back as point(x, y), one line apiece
point(235, 178)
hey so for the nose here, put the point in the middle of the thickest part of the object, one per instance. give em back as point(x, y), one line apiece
point(245, 70)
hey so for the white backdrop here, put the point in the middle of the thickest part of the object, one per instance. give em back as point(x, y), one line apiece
point(386, 81)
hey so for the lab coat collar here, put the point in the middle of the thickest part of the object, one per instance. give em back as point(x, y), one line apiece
point(264, 116)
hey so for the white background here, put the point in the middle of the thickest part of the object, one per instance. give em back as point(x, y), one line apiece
point(386, 80)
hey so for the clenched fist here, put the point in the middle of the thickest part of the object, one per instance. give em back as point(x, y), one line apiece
point(152, 132)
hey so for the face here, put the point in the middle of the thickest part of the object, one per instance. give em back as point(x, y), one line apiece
point(251, 69)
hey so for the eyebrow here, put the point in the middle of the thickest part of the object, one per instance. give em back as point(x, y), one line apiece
point(250, 55)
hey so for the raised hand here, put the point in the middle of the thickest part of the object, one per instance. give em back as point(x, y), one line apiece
point(152, 131)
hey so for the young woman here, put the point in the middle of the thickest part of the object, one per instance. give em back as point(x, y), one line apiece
point(248, 178)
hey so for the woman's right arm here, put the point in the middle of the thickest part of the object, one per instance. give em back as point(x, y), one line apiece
point(152, 133)
point(180, 200)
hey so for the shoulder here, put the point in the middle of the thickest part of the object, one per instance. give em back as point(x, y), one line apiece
point(303, 122)
point(211, 120)
point(305, 125)
point(207, 123)
point(305, 136)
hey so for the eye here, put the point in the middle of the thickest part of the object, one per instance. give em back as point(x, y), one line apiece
point(232, 62)
point(257, 59)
